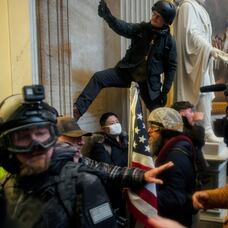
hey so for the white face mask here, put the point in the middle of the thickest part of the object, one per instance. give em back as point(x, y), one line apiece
point(115, 129)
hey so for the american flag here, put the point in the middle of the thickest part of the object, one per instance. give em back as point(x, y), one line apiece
point(143, 203)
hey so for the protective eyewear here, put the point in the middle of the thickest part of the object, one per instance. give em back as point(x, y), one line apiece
point(25, 139)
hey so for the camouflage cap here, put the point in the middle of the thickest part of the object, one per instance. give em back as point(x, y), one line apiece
point(169, 118)
point(68, 126)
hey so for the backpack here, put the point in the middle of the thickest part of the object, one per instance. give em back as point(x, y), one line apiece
point(93, 208)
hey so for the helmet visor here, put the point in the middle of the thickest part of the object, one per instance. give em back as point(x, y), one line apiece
point(26, 138)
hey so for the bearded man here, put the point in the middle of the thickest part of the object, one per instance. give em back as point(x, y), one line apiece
point(168, 143)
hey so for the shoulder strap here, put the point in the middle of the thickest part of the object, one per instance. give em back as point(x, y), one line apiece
point(67, 186)
point(170, 144)
point(5, 179)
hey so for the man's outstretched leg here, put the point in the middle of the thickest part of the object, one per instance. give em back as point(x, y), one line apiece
point(112, 77)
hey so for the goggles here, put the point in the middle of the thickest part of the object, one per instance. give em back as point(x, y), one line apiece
point(30, 137)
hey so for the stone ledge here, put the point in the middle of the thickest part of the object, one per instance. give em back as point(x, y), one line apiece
point(213, 148)
point(216, 215)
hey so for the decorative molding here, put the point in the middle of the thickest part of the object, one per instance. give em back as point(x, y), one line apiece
point(54, 53)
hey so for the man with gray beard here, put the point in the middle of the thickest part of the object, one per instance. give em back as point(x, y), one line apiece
point(168, 143)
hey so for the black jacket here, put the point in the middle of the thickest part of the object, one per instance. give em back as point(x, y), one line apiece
point(174, 196)
point(155, 45)
point(110, 151)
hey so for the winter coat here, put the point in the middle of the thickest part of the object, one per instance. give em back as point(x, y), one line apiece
point(110, 151)
point(174, 196)
point(153, 45)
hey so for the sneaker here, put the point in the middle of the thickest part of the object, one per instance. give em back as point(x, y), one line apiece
point(76, 113)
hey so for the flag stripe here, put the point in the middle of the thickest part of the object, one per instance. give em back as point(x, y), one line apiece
point(143, 203)
point(137, 213)
point(148, 196)
point(143, 160)
point(140, 166)
point(135, 205)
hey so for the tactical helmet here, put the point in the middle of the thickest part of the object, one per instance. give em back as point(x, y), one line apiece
point(167, 118)
point(17, 113)
point(166, 9)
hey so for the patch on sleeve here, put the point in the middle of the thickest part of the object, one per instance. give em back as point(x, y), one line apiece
point(101, 213)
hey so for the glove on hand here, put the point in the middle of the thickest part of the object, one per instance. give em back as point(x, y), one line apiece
point(103, 10)
point(163, 98)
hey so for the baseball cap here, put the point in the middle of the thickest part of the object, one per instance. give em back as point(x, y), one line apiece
point(69, 127)
point(169, 118)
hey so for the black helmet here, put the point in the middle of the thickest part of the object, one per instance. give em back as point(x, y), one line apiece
point(17, 113)
point(166, 9)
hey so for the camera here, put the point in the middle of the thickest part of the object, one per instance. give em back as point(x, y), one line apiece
point(33, 93)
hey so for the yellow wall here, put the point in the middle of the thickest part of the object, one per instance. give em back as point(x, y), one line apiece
point(15, 54)
point(5, 70)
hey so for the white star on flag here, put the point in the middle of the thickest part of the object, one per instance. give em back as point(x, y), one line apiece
point(142, 139)
point(147, 148)
point(137, 130)
point(139, 116)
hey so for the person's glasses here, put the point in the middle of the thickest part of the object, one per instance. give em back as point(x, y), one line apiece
point(154, 128)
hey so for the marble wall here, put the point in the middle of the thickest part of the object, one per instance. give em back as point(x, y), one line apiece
point(74, 42)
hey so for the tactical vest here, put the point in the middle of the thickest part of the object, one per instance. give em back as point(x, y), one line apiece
point(92, 204)
point(74, 198)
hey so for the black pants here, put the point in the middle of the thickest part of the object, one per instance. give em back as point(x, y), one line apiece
point(112, 77)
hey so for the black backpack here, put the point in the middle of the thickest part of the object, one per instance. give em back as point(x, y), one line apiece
point(93, 207)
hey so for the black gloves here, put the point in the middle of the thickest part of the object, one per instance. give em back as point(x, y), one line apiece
point(103, 10)
point(163, 98)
